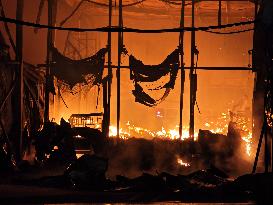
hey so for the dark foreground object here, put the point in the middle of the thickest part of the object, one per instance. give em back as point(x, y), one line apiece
point(85, 181)
point(256, 188)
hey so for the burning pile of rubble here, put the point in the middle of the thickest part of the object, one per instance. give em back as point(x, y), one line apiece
point(61, 143)
point(180, 169)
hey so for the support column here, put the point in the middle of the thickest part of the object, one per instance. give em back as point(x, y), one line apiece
point(20, 74)
point(110, 75)
point(52, 7)
point(266, 151)
point(262, 64)
point(192, 81)
point(182, 71)
point(120, 45)
point(271, 131)
point(105, 127)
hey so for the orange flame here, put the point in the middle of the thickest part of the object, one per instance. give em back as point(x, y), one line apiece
point(180, 162)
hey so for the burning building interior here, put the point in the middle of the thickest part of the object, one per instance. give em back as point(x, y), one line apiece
point(136, 101)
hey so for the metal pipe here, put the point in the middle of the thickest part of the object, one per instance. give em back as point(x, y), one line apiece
point(110, 75)
point(266, 151)
point(182, 72)
point(192, 90)
point(215, 68)
point(20, 73)
point(49, 58)
point(120, 45)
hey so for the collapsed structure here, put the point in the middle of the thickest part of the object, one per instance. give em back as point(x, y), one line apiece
point(27, 89)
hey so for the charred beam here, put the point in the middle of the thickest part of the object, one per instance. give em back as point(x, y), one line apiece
point(192, 89)
point(110, 75)
point(182, 71)
point(20, 82)
point(52, 5)
point(120, 46)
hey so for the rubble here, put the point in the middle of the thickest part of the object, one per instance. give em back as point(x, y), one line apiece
point(55, 136)
point(210, 185)
point(87, 172)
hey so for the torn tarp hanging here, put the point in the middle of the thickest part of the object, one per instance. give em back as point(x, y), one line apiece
point(75, 71)
point(141, 73)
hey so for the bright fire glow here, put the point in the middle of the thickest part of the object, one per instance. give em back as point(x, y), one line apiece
point(133, 131)
point(248, 141)
point(180, 162)
point(220, 127)
point(113, 131)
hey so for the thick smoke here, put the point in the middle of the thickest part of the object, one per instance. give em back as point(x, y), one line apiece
point(134, 156)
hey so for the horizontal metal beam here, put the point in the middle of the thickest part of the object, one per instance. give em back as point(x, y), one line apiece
point(186, 68)
point(203, 68)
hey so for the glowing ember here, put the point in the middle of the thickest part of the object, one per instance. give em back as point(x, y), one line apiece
point(133, 131)
point(180, 162)
point(78, 155)
point(113, 133)
point(55, 148)
point(220, 127)
point(248, 140)
point(78, 136)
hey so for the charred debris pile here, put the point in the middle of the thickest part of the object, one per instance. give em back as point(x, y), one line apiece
point(88, 174)
point(62, 144)
point(140, 166)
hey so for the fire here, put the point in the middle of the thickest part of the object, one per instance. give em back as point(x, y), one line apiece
point(248, 141)
point(134, 131)
point(113, 131)
point(220, 127)
point(180, 162)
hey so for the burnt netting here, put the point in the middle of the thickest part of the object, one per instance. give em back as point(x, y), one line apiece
point(88, 70)
point(141, 73)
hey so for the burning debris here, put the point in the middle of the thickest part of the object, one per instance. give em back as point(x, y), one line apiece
point(88, 173)
point(222, 126)
point(180, 162)
point(142, 154)
point(158, 159)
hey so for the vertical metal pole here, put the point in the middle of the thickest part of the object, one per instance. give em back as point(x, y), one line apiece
point(40, 11)
point(20, 71)
point(254, 99)
point(105, 105)
point(120, 44)
point(50, 44)
point(182, 71)
point(220, 13)
point(110, 75)
point(266, 154)
point(192, 90)
point(58, 102)
point(258, 149)
point(271, 149)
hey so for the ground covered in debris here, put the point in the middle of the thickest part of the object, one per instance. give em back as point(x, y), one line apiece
point(133, 170)
point(85, 180)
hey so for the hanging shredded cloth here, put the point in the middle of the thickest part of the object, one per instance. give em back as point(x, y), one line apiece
point(141, 73)
point(76, 71)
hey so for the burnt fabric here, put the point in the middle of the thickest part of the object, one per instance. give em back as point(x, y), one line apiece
point(74, 71)
point(141, 73)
